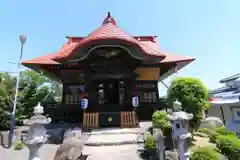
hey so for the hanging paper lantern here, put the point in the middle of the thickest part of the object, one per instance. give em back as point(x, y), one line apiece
point(84, 103)
point(135, 101)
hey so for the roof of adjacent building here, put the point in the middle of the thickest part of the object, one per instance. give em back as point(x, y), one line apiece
point(231, 78)
point(229, 93)
point(110, 31)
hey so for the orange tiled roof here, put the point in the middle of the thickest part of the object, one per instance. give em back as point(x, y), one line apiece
point(109, 30)
point(47, 59)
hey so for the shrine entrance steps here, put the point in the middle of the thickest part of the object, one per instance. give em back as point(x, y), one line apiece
point(114, 143)
point(127, 120)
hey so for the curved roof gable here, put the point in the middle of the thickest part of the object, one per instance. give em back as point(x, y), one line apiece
point(108, 31)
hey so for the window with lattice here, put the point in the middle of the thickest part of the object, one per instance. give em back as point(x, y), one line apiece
point(148, 97)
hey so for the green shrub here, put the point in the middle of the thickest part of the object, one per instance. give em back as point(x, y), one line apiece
point(18, 145)
point(229, 145)
point(224, 131)
point(205, 131)
point(204, 153)
point(213, 136)
point(150, 143)
point(159, 119)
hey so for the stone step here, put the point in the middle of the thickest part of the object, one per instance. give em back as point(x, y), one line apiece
point(112, 131)
point(112, 152)
point(112, 139)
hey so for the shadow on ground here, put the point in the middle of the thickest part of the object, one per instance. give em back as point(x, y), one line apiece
point(83, 157)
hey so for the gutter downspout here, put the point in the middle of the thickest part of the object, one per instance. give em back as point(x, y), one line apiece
point(50, 93)
point(175, 72)
point(221, 109)
point(164, 84)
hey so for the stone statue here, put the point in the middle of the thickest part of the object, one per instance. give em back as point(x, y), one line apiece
point(36, 135)
point(72, 146)
point(71, 149)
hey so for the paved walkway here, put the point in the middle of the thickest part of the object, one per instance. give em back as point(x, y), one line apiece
point(101, 136)
point(126, 152)
point(47, 152)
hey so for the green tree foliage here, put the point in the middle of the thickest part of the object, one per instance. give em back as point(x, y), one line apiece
point(33, 88)
point(193, 95)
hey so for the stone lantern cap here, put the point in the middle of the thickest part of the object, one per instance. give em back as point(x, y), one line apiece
point(178, 114)
point(181, 115)
point(177, 105)
point(38, 118)
point(38, 109)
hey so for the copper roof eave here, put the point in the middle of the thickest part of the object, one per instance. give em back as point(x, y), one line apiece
point(183, 63)
point(37, 61)
point(36, 67)
point(188, 61)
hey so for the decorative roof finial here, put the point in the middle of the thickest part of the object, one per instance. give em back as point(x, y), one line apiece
point(109, 19)
point(109, 15)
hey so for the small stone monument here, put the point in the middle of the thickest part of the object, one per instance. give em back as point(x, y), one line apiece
point(158, 135)
point(180, 134)
point(36, 135)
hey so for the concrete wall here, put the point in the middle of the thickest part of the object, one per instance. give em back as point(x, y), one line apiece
point(229, 115)
point(215, 111)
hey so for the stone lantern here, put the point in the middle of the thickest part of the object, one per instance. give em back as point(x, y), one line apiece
point(180, 134)
point(36, 135)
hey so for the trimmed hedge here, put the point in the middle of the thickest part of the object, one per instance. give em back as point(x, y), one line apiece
point(229, 145)
point(226, 141)
point(224, 131)
point(213, 137)
point(204, 153)
point(213, 134)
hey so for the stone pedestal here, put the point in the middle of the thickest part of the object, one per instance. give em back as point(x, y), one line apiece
point(158, 134)
point(34, 151)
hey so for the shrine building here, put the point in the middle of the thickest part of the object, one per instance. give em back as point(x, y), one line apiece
point(110, 78)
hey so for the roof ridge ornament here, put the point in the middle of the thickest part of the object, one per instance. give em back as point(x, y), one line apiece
point(109, 19)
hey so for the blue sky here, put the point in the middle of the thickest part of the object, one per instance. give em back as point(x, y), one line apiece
point(208, 30)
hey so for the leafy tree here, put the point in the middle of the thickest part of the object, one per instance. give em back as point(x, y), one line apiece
point(33, 88)
point(193, 95)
